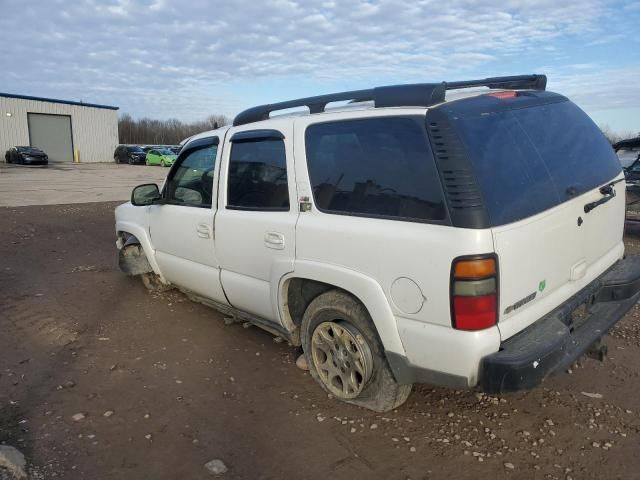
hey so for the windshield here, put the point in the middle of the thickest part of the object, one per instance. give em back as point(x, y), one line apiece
point(165, 151)
point(135, 150)
point(527, 160)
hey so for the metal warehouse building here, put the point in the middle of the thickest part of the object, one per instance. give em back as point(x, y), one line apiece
point(63, 130)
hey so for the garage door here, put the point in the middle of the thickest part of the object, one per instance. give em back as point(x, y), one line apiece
point(51, 134)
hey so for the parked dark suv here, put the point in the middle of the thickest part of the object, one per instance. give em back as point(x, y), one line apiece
point(26, 156)
point(628, 152)
point(131, 154)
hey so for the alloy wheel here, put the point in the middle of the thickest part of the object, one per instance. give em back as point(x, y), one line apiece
point(342, 358)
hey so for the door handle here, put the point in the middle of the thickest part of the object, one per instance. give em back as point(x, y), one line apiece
point(274, 240)
point(203, 230)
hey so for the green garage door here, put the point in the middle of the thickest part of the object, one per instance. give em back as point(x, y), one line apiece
point(51, 134)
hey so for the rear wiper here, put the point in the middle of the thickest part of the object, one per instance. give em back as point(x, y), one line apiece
point(608, 191)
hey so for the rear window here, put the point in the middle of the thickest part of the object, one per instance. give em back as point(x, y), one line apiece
point(380, 167)
point(531, 159)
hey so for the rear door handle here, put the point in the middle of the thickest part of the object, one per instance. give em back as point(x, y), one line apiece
point(274, 240)
point(203, 230)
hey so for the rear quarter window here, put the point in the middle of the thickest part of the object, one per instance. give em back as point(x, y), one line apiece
point(380, 167)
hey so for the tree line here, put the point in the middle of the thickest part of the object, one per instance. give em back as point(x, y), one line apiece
point(147, 131)
point(615, 137)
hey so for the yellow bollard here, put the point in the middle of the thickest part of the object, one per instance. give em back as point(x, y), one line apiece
point(76, 156)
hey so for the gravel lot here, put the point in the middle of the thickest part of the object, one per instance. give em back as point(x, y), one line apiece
point(101, 380)
point(60, 183)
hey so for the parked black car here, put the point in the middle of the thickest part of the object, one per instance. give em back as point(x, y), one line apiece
point(131, 154)
point(26, 156)
point(628, 152)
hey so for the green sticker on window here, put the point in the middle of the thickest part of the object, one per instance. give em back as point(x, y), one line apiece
point(542, 285)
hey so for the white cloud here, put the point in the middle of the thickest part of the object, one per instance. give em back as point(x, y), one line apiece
point(171, 58)
point(598, 89)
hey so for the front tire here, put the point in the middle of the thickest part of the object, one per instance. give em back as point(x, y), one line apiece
point(345, 355)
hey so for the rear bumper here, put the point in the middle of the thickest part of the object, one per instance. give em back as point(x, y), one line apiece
point(555, 341)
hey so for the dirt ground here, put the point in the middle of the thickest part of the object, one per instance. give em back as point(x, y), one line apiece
point(164, 386)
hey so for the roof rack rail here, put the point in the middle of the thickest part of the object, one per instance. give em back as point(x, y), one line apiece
point(411, 95)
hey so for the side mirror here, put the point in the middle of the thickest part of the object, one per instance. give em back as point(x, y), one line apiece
point(144, 195)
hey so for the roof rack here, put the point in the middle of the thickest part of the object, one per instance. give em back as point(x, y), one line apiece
point(414, 95)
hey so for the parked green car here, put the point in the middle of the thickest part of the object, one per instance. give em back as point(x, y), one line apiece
point(160, 156)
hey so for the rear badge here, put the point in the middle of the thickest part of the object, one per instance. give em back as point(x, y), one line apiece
point(521, 302)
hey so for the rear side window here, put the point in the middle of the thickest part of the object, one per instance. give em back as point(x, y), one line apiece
point(531, 159)
point(379, 167)
point(258, 176)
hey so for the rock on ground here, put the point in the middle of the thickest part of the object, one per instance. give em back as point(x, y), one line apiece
point(216, 467)
point(301, 362)
point(13, 461)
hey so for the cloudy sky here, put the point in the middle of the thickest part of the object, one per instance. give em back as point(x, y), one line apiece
point(189, 59)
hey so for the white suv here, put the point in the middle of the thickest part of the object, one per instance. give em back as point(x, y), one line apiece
point(402, 237)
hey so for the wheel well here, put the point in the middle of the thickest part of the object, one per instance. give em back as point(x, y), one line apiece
point(298, 293)
point(128, 238)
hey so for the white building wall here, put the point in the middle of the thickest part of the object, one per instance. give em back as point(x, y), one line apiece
point(95, 130)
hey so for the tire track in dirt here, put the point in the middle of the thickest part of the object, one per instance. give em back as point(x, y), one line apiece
point(30, 322)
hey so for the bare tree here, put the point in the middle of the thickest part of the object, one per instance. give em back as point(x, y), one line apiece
point(164, 132)
point(614, 137)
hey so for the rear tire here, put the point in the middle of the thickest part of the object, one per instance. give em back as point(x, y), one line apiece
point(345, 355)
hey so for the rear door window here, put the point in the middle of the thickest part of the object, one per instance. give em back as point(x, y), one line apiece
point(527, 160)
point(377, 167)
point(258, 175)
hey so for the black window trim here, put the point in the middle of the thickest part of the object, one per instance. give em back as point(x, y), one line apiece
point(256, 135)
point(261, 135)
point(259, 209)
point(194, 145)
point(420, 119)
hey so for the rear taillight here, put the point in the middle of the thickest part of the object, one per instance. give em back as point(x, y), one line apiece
point(474, 293)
